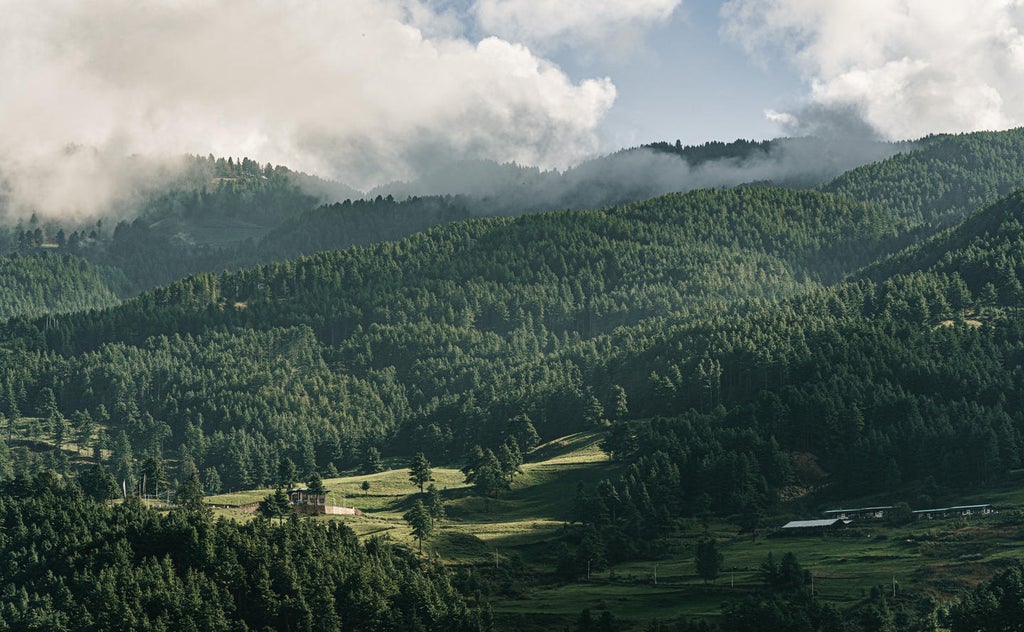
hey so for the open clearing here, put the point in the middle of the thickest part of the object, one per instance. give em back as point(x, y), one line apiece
point(522, 529)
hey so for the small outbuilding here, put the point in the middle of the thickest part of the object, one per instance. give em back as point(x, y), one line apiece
point(304, 501)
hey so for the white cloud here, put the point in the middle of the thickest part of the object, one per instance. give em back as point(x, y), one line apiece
point(361, 90)
point(909, 68)
point(615, 25)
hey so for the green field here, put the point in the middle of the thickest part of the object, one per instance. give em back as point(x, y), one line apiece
point(517, 535)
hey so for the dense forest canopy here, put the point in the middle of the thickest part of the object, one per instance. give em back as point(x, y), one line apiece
point(72, 563)
point(736, 346)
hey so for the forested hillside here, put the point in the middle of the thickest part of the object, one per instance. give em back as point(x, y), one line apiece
point(846, 374)
point(72, 563)
point(739, 348)
point(444, 336)
point(986, 250)
point(943, 179)
point(53, 284)
point(360, 222)
point(222, 214)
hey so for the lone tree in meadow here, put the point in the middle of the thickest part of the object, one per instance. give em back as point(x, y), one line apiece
point(435, 504)
point(419, 471)
point(421, 522)
point(708, 560)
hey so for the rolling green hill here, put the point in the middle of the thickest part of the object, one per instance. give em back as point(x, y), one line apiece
point(986, 249)
point(943, 179)
point(56, 284)
point(510, 548)
point(442, 337)
point(222, 214)
point(712, 344)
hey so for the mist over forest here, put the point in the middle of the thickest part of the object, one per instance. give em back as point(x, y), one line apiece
point(695, 344)
point(471, 316)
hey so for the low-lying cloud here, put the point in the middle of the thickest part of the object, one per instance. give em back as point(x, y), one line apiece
point(907, 68)
point(364, 91)
point(643, 173)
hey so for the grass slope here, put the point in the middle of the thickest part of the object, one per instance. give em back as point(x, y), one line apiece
point(518, 533)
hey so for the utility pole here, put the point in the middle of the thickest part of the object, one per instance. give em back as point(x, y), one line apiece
point(655, 574)
point(588, 570)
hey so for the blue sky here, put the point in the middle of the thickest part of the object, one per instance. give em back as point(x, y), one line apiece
point(687, 82)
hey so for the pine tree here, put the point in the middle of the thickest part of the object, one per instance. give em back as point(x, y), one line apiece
point(211, 480)
point(522, 429)
point(435, 504)
point(316, 485)
point(287, 473)
point(99, 484)
point(421, 522)
point(372, 462)
point(154, 474)
point(419, 471)
point(275, 505)
point(620, 409)
point(708, 560)
point(510, 458)
point(189, 496)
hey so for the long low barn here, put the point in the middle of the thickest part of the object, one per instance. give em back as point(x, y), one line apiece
point(827, 524)
point(946, 512)
point(859, 513)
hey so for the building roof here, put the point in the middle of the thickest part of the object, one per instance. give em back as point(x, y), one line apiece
point(860, 510)
point(957, 508)
point(814, 524)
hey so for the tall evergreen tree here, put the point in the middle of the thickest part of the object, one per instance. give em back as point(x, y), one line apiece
point(708, 559)
point(419, 471)
point(275, 505)
point(420, 521)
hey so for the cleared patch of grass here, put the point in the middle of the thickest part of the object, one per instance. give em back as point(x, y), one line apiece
point(940, 557)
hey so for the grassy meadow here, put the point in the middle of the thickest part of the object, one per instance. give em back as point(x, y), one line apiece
point(518, 534)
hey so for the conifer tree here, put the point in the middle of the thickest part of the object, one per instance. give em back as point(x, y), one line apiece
point(419, 471)
point(275, 505)
point(708, 560)
point(421, 522)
